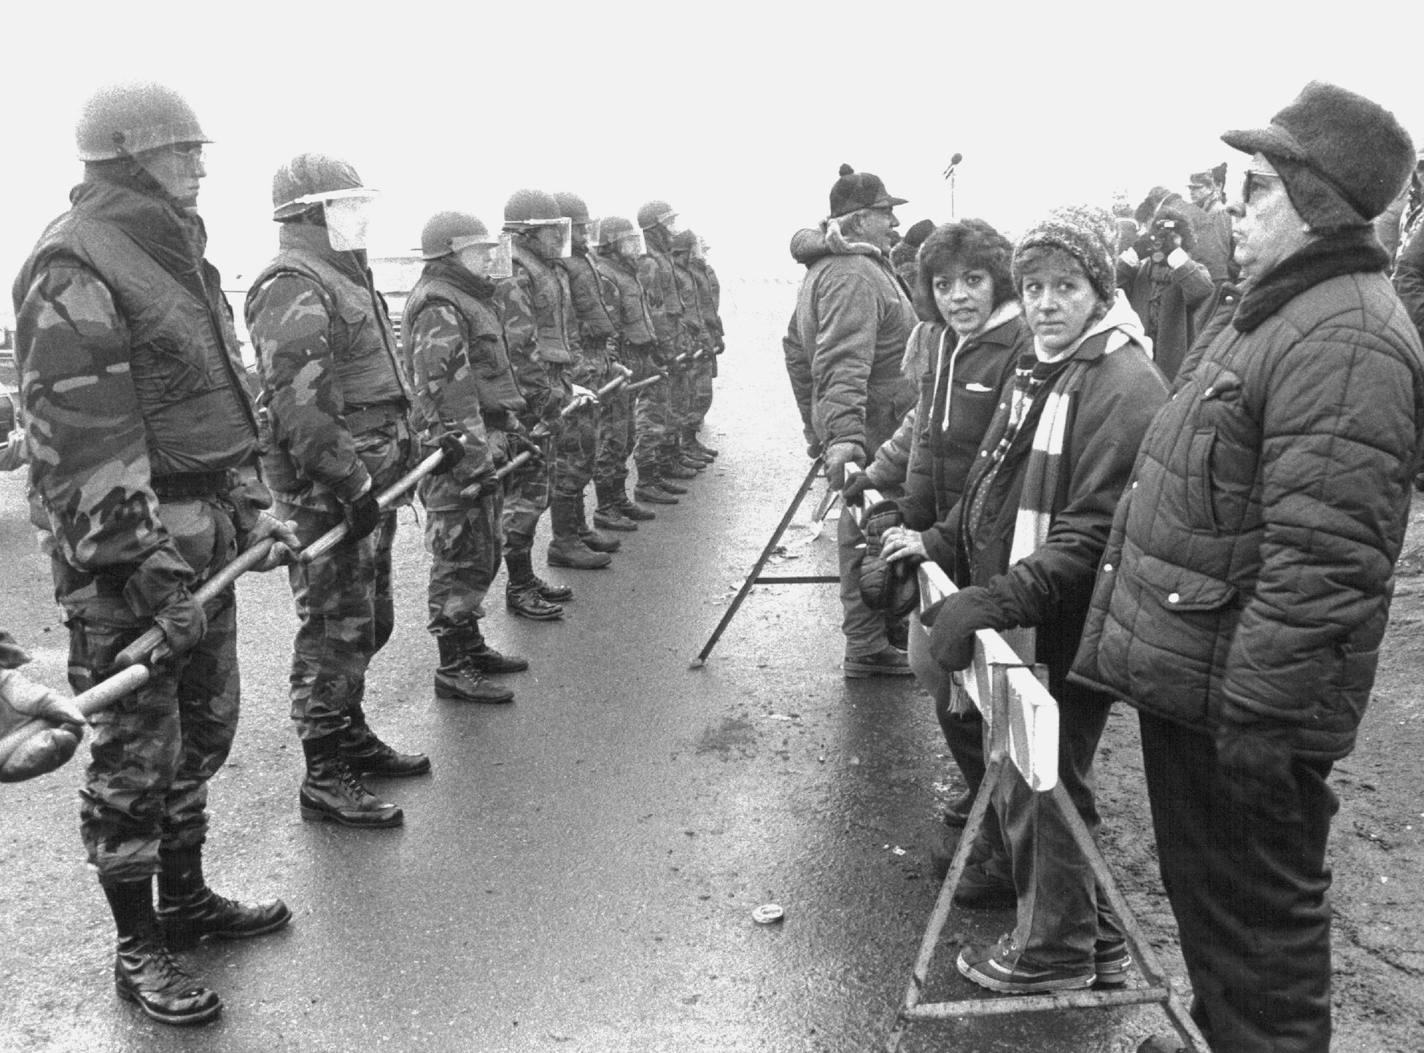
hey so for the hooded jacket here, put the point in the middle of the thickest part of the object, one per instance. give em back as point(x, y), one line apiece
point(853, 316)
point(1248, 575)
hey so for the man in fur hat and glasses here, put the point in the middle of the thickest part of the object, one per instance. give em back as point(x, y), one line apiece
point(853, 316)
point(1245, 588)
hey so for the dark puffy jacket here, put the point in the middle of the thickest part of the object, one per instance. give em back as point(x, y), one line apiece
point(853, 317)
point(969, 377)
point(1248, 574)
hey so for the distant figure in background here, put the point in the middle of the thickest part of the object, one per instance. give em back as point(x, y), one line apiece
point(853, 316)
point(1165, 285)
point(1212, 224)
point(902, 256)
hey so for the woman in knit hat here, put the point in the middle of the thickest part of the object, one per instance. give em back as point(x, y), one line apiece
point(1036, 508)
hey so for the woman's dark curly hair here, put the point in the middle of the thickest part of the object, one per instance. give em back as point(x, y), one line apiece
point(971, 243)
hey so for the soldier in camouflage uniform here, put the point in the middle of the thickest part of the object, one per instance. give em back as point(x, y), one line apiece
point(697, 352)
point(459, 366)
point(145, 483)
point(536, 310)
point(612, 419)
point(620, 246)
point(660, 469)
point(690, 254)
point(337, 402)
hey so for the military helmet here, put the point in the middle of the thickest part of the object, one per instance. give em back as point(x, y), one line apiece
point(612, 228)
point(125, 119)
point(572, 206)
point(655, 212)
point(526, 207)
point(308, 179)
point(447, 232)
point(684, 241)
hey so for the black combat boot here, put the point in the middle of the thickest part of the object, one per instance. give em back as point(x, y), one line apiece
point(609, 514)
point(365, 754)
point(144, 970)
point(489, 661)
point(568, 549)
point(690, 442)
point(458, 680)
point(673, 468)
point(188, 910)
point(551, 592)
point(525, 594)
point(333, 792)
point(594, 538)
point(649, 489)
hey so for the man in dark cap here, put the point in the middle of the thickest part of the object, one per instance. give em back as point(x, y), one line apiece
point(853, 316)
point(1245, 588)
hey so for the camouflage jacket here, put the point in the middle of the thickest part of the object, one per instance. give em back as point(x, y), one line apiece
point(659, 279)
point(130, 376)
point(334, 394)
point(455, 352)
point(694, 313)
point(596, 328)
point(536, 307)
point(709, 290)
point(628, 300)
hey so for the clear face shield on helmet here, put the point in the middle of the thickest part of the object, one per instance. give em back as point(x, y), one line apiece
point(489, 259)
point(631, 245)
point(347, 214)
point(555, 237)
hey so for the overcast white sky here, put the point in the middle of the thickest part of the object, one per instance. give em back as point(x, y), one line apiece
point(737, 113)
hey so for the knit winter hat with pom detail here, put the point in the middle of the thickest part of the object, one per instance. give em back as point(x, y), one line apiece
point(1085, 232)
point(854, 191)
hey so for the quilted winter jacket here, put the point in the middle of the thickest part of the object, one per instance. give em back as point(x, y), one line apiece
point(853, 316)
point(1249, 570)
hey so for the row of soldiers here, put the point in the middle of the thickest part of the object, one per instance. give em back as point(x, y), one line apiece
point(531, 362)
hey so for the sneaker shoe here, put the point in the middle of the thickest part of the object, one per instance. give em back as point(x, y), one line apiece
point(889, 661)
point(146, 974)
point(185, 921)
point(1003, 968)
point(1111, 959)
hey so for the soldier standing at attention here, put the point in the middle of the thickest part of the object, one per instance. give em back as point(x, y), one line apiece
point(454, 348)
point(620, 246)
point(337, 403)
point(536, 309)
point(145, 477)
point(701, 293)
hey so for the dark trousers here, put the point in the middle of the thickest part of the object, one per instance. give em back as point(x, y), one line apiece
point(1249, 893)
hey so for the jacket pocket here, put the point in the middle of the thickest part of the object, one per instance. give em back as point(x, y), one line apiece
point(348, 326)
point(1201, 503)
point(1182, 589)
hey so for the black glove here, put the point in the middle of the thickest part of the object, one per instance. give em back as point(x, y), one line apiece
point(953, 622)
point(452, 452)
point(1255, 765)
point(522, 442)
point(363, 515)
point(854, 490)
point(889, 587)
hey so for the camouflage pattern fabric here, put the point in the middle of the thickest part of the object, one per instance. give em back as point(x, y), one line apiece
point(346, 610)
point(526, 498)
point(700, 398)
point(652, 411)
point(464, 545)
point(575, 451)
point(615, 439)
point(154, 750)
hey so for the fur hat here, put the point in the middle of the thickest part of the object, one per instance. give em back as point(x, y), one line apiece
point(918, 232)
point(1343, 157)
point(1085, 232)
point(854, 191)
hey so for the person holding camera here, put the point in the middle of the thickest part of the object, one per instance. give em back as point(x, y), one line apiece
point(1165, 285)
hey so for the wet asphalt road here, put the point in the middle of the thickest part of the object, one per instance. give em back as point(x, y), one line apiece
point(580, 871)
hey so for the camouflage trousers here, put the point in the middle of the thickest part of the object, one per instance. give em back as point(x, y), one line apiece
point(526, 496)
point(153, 751)
point(576, 451)
point(652, 415)
point(679, 414)
point(615, 439)
point(464, 546)
point(700, 400)
point(344, 605)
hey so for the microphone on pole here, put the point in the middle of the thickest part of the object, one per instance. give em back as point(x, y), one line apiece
point(953, 164)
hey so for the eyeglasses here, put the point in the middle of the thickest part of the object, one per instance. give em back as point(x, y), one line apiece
point(1252, 181)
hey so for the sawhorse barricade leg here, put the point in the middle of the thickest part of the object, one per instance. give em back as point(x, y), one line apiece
point(1157, 989)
